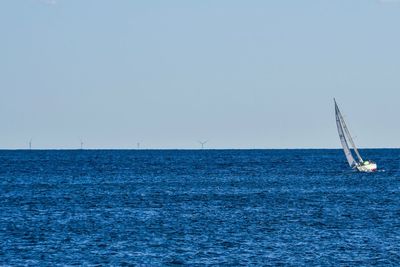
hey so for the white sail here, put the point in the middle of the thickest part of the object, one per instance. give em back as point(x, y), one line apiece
point(346, 130)
point(346, 149)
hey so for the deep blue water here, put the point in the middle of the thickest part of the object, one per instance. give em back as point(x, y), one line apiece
point(224, 207)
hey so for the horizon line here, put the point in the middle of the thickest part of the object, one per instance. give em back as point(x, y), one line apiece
point(189, 149)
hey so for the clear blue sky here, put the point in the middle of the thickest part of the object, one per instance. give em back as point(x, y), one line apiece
point(243, 74)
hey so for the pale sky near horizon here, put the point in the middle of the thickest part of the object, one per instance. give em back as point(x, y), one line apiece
point(241, 74)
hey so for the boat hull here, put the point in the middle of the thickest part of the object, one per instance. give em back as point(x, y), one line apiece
point(368, 167)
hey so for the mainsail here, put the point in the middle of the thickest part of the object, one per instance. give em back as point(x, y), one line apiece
point(349, 136)
point(344, 135)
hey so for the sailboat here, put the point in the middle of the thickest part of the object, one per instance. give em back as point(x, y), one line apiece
point(345, 138)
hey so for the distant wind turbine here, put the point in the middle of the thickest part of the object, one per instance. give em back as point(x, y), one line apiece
point(138, 145)
point(202, 143)
point(81, 144)
point(30, 144)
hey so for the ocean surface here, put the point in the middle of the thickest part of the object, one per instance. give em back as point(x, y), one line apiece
point(199, 207)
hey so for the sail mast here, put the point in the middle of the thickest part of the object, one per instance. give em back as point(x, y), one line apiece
point(348, 133)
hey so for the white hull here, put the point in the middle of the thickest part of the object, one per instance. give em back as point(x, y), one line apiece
point(367, 167)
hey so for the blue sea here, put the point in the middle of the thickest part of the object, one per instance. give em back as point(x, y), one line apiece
point(198, 207)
